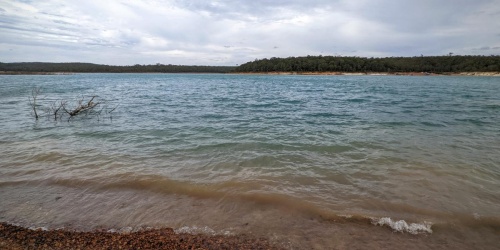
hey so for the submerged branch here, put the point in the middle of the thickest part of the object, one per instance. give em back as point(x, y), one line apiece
point(82, 107)
point(32, 100)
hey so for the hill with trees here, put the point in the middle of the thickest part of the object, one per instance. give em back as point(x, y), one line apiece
point(42, 67)
point(431, 64)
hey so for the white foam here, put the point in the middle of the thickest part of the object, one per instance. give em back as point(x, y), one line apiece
point(402, 226)
point(347, 216)
point(123, 230)
point(476, 216)
point(126, 230)
point(38, 228)
point(201, 230)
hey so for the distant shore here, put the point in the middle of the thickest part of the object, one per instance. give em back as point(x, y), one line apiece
point(34, 73)
point(374, 73)
point(288, 73)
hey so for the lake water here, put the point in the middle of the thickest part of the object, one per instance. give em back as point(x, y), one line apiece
point(307, 161)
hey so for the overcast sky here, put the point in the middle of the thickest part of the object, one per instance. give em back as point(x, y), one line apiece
point(207, 32)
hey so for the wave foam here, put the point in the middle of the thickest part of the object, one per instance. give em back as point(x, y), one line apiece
point(38, 228)
point(402, 226)
point(201, 230)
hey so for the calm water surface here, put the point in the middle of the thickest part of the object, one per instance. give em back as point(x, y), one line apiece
point(300, 158)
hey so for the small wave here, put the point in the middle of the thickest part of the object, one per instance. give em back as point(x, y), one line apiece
point(124, 230)
point(395, 124)
point(14, 182)
point(476, 122)
point(402, 226)
point(214, 116)
point(262, 105)
point(38, 228)
point(357, 100)
point(292, 101)
point(201, 230)
point(328, 115)
point(492, 106)
point(432, 124)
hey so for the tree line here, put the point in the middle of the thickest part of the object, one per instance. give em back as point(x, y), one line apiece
point(431, 64)
point(42, 67)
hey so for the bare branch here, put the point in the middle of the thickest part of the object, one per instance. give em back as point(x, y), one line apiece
point(56, 109)
point(84, 107)
point(113, 109)
point(34, 94)
point(60, 109)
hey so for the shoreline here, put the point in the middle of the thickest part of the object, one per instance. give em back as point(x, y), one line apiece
point(332, 73)
point(34, 73)
point(328, 73)
point(16, 237)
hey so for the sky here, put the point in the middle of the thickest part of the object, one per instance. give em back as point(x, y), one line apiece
point(208, 32)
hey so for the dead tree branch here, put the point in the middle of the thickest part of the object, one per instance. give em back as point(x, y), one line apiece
point(83, 107)
point(56, 108)
point(60, 109)
point(32, 100)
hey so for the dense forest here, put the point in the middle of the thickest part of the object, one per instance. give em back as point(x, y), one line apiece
point(99, 68)
point(431, 64)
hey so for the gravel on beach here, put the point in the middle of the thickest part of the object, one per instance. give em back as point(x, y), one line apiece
point(16, 237)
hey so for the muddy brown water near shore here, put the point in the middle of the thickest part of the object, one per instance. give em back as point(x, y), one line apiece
point(285, 227)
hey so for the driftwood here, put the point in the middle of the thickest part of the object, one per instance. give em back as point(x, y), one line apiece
point(81, 107)
point(60, 109)
point(54, 110)
point(34, 94)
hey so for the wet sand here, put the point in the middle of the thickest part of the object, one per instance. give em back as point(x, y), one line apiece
point(15, 237)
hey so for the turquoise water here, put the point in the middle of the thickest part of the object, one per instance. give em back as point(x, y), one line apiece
point(420, 149)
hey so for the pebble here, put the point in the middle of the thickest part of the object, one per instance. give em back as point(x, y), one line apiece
point(15, 237)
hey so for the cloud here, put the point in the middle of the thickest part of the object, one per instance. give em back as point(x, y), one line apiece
point(232, 32)
point(487, 48)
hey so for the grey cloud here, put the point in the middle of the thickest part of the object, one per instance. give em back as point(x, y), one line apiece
point(487, 48)
point(418, 16)
point(61, 22)
point(38, 44)
point(54, 15)
point(245, 10)
point(8, 21)
point(233, 32)
point(497, 13)
point(38, 31)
